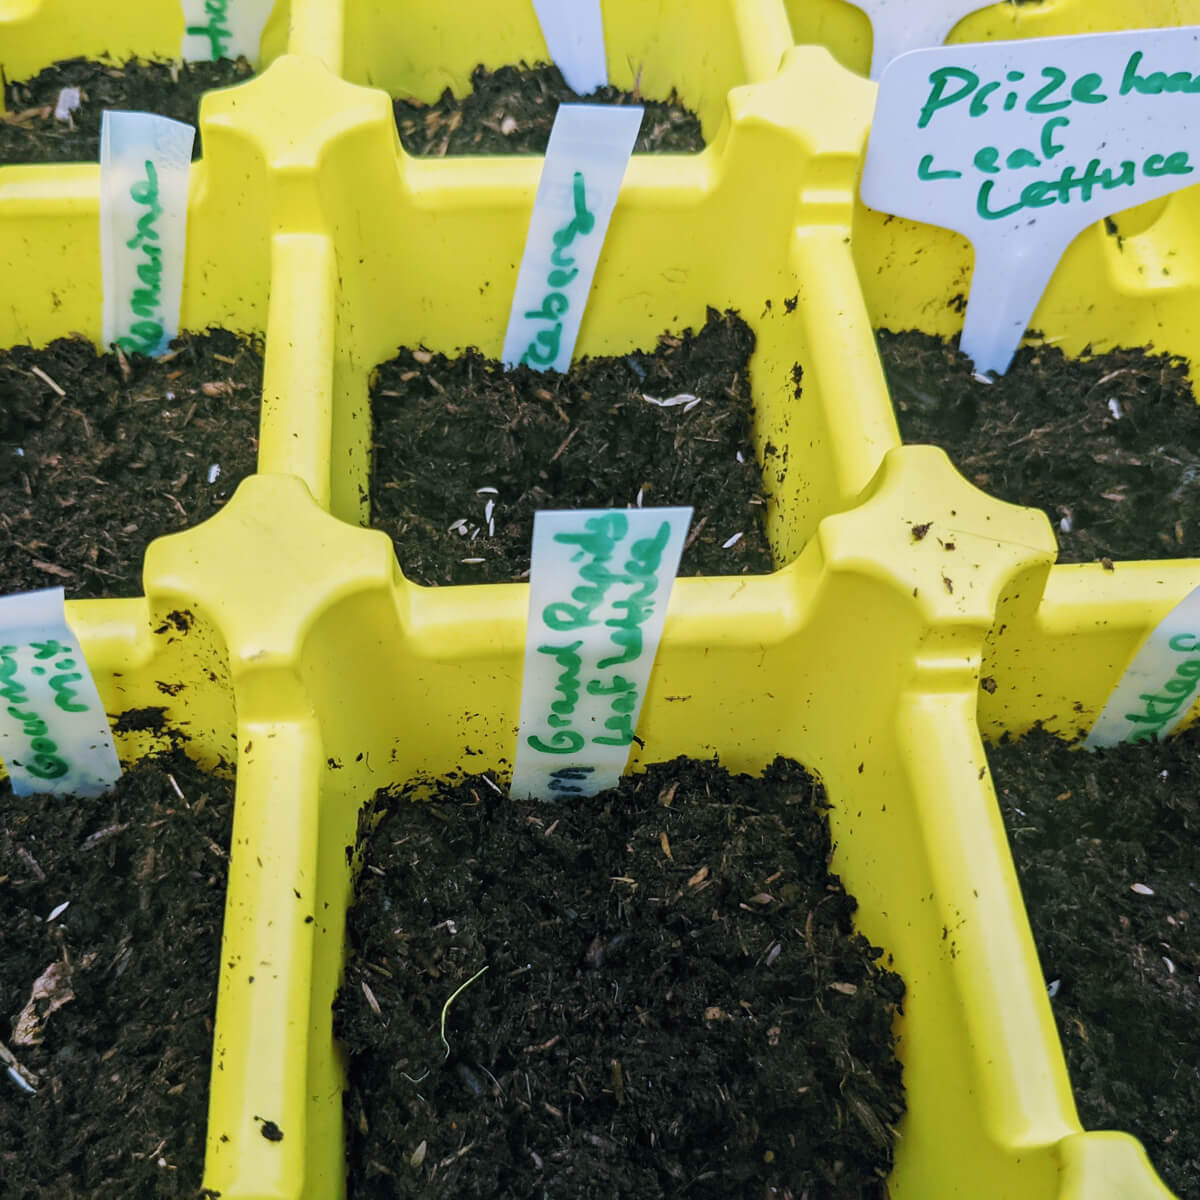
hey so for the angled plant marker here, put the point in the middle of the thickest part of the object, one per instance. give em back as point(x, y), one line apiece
point(1159, 686)
point(590, 146)
point(145, 162)
point(574, 33)
point(223, 28)
point(54, 734)
point(598, 593)
point(1021, 145)
point(898, 26)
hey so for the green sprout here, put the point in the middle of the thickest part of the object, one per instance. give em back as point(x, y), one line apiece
point(462, 987)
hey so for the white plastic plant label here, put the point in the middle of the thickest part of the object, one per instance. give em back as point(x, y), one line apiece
point(54, 734)
point(590, 146)
point(1158, 687)
point(574, 33)
point(598, 593)
point(1021, 145)
point(898, 26)
point(145, 162)
point(223, 28)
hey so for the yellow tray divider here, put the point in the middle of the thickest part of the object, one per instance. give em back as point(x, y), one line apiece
point(846, 29)
point(283, 638)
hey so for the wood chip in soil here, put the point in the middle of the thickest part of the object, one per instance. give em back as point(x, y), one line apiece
point(1108, 446)
point(705, 1023)
point(99, 456)
point(466, 451)
point(119, 1038)
point(511, 111)
point(31, 133)
point(1107, 847)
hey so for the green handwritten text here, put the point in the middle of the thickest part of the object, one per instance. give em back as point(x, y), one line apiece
point(543, 350)
point(218, 34)
point(46, 763)
point(1160, 707)
point(145, 334)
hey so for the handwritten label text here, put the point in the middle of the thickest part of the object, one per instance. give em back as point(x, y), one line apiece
point(598, 593)
point(1021, 145)
point(53, 731)
point(585, 162)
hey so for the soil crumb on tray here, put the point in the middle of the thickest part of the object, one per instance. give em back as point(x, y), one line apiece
point(1108, 446)
point(1107, 847)
point(31, 132)
point(111, 913)
point(466, 451)
point(511, 111)
point(675, 1001)
point(100, 454)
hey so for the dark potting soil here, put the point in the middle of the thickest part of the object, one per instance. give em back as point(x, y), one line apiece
point(511, 111)
point(119, 1038)
point(453, 436)
point(89, 477)
point(675, 1001)
point(1107, 847)
point(1109, 444)
point(30, 132)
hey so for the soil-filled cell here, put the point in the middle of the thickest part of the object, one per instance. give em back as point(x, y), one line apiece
point(111, 910)
point(466, 452)
point(674, 1002)
point(1108, 446)
point(1107, 848)
point(511, 111)
point(102, 453)
point(32, 131)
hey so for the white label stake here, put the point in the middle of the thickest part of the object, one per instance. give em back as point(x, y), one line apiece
point(598, 595)
point(223, 28)
point(54, 735)
point(574, 33)
point(1158, 687)
point(144, 165)
point(898, 26)
point(589, 149)
point(1021, 145)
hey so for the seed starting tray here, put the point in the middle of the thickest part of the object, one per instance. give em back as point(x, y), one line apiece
point(293, 645)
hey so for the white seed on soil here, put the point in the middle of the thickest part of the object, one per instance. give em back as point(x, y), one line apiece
point(641, 493)
point(459, 526)
point(1114, 407)
point(1170, 965)
point(472, 560)
point(1052, 988)
point(491, 529)
point(739, 457)
point(1065, 525)
point(487, 491)
point(733, 541)
point(213, 472)
point(68, 102)
point(1141, 889)
point(672, 401)
point(979, 377)
point(488, 509)
point(58, 910)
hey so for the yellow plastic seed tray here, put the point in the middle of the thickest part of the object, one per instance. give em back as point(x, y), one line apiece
point(846, 30)
point(311, 661)
point(1134, 283)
